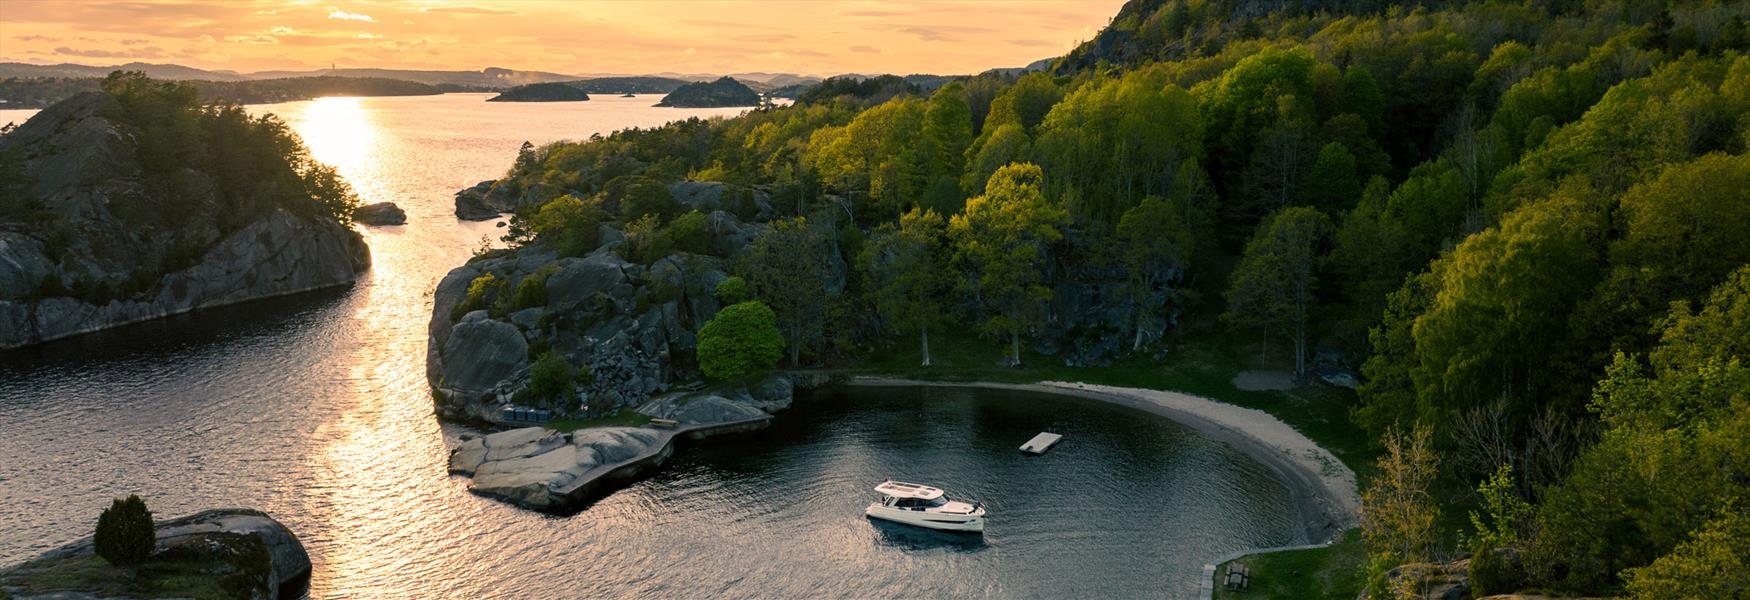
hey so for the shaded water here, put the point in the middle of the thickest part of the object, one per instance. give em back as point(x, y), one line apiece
point(315, 409)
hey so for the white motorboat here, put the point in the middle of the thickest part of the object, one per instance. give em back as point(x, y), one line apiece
point(925, 506)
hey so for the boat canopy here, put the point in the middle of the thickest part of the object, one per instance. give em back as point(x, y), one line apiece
point(900, 489)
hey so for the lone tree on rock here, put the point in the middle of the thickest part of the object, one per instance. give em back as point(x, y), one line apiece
point(740, 342)
point(126, 534)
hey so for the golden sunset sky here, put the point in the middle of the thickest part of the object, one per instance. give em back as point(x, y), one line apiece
point(628, 37)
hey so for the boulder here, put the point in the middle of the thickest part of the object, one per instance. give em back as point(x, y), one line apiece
point(484, 202)
point(724, 405)
point(381, 213)
point(773, 393)
point(714, 409)
point(480, 352)
point(245, 552)
point(579, 282)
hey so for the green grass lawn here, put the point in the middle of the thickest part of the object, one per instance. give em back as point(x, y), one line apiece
point(1330, 572)
point(624, 417)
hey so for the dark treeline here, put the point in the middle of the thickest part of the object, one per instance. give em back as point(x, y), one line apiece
point(1526, 224)
point(42, 92)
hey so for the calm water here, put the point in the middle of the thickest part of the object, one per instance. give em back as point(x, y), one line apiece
point(315, 408)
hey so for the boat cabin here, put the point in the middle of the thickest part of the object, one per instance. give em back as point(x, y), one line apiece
point(910, 496)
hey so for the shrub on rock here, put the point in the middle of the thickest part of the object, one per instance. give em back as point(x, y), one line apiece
point(741, 342)
point(126, 534)
point(732, 290)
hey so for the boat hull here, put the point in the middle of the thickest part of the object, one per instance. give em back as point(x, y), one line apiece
point(928, 520)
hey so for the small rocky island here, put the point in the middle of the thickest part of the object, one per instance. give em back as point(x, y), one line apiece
point(542, 92)
point(109, 222)
point(227, 553)
point(381, 213)
point(724, 92)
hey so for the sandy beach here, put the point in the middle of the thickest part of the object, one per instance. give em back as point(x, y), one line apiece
point(1322, 487)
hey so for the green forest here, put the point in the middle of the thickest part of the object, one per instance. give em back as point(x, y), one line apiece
point(1526, 225)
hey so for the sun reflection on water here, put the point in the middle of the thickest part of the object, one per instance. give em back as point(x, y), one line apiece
point(338, 130)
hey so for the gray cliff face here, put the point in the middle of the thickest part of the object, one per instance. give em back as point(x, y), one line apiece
point(278, 255)
point(95, 255)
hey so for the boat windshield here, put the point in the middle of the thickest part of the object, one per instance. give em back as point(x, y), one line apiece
point(919, 503)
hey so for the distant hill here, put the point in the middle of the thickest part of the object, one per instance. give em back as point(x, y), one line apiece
point(542, 92)
point(486, 78)
point(725, 91)
point(44, 91)
point(629, 85)
point(155, 71)
point(1043, 64)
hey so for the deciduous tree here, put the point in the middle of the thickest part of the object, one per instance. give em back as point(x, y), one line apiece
point(1272, 289)
point(1003, 237)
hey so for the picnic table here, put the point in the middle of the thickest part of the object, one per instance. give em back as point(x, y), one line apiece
point(1238, 577)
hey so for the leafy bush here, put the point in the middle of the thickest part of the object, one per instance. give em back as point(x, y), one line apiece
point(532, 291)
point(741, 342)
point(481, 292)
point(1491, 573)
point(690, 232)
point(645, 242)
point(648, 197)
point(569, 225)
point(126, 534)
point(551, 379)
point(732, 291)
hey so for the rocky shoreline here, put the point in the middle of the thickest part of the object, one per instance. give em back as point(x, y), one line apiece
point(277, 256)
point(547, 470)
point(243, 552)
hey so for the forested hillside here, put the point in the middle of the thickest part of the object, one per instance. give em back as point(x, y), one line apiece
point(1526, 225)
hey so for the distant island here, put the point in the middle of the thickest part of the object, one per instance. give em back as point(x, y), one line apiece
point(629, 85)
point(542, 92)
point(41, 92)
point(725, 91)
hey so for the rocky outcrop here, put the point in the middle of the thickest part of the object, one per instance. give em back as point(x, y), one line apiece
point(275, 256)
point(97, 252)
point(245, 551)
point(381, 213)
point(485, 201)
point(543, 469)
point(631, 326)
point(770, 395)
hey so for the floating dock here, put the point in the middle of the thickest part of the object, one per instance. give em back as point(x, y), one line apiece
point(1040, 443)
